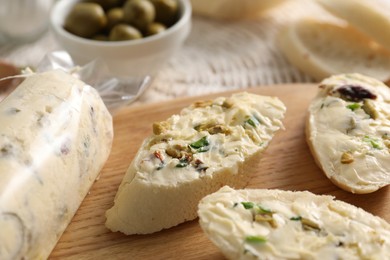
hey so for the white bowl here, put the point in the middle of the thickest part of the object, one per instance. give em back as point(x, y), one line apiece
point(139, 57)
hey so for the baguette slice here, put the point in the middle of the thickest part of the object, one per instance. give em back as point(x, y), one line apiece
point(276, 224)
point(232, 9)
point(371, 17)
point(210, 144)
point(321, 49)
point(348, 131)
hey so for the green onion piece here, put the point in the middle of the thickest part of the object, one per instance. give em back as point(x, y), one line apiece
point(297, 218)
point(374, 143)
point(248, 205)
point(354, 106)
point(182, 163)
point(255, 239)
point(200, 143)
point(252, 121)
point(264, 210)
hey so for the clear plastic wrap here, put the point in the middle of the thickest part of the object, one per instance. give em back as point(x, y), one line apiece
point(116, 92)
point(56, 134)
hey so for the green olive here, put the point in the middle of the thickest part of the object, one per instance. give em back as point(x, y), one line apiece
point(139, 13)
point(124, 32)
point(85, 20)
point(100, 37)
point(166, 11)
point(114, 17)
point(155, 28)
point(106, 4)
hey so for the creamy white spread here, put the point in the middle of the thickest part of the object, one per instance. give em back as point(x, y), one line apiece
point(55, 136)
point(192, 152)
point(225, 135)
point(349, 128)
point(275, 224)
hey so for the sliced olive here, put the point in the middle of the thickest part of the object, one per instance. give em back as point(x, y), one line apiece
point(85, 20)
point(124, 32)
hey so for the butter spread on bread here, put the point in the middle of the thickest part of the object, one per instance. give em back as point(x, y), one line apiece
point(55, 136)
point(190, 155)
point(348, 131)
point(276, 224)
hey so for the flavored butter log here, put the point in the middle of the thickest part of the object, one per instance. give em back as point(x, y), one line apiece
point(55, 137)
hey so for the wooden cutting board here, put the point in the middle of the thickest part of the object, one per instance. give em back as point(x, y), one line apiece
point(287, 164)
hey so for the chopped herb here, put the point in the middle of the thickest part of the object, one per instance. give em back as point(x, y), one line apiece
point(235, 204)
point(255, 239)
point(353, 106)
point(248, 205)
point(264, 210)
point(252, 121)
point(374, 142)
point(297, 218)
point(182, 163)
point(201, 145)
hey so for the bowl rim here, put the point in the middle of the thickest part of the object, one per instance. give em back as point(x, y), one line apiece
point(62, 7)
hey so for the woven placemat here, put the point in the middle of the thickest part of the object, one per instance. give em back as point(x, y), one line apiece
point(217, 56)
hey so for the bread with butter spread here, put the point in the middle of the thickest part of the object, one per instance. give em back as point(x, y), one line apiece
point(208, 145)
point(348, 131)
point(277, 224)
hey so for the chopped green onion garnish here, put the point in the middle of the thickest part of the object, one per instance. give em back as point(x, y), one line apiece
point(201, 145)
point(297, 218)
point(255, 239)
point(354, 106)
point(374, 143)
point(252, 121)
point(182, 163)
point(264, 210)
point(248, 205)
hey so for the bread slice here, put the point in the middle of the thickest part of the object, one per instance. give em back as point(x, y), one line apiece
point(348, 131)
point(277, 224)
point(209, 144)
point(321, 49)
point(232, 9)
point(371, 17)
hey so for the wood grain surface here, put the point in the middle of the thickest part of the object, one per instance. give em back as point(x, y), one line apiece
point(287, 164)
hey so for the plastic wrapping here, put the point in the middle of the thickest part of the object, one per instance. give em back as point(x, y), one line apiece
point(55, 136)
point(116, 92)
